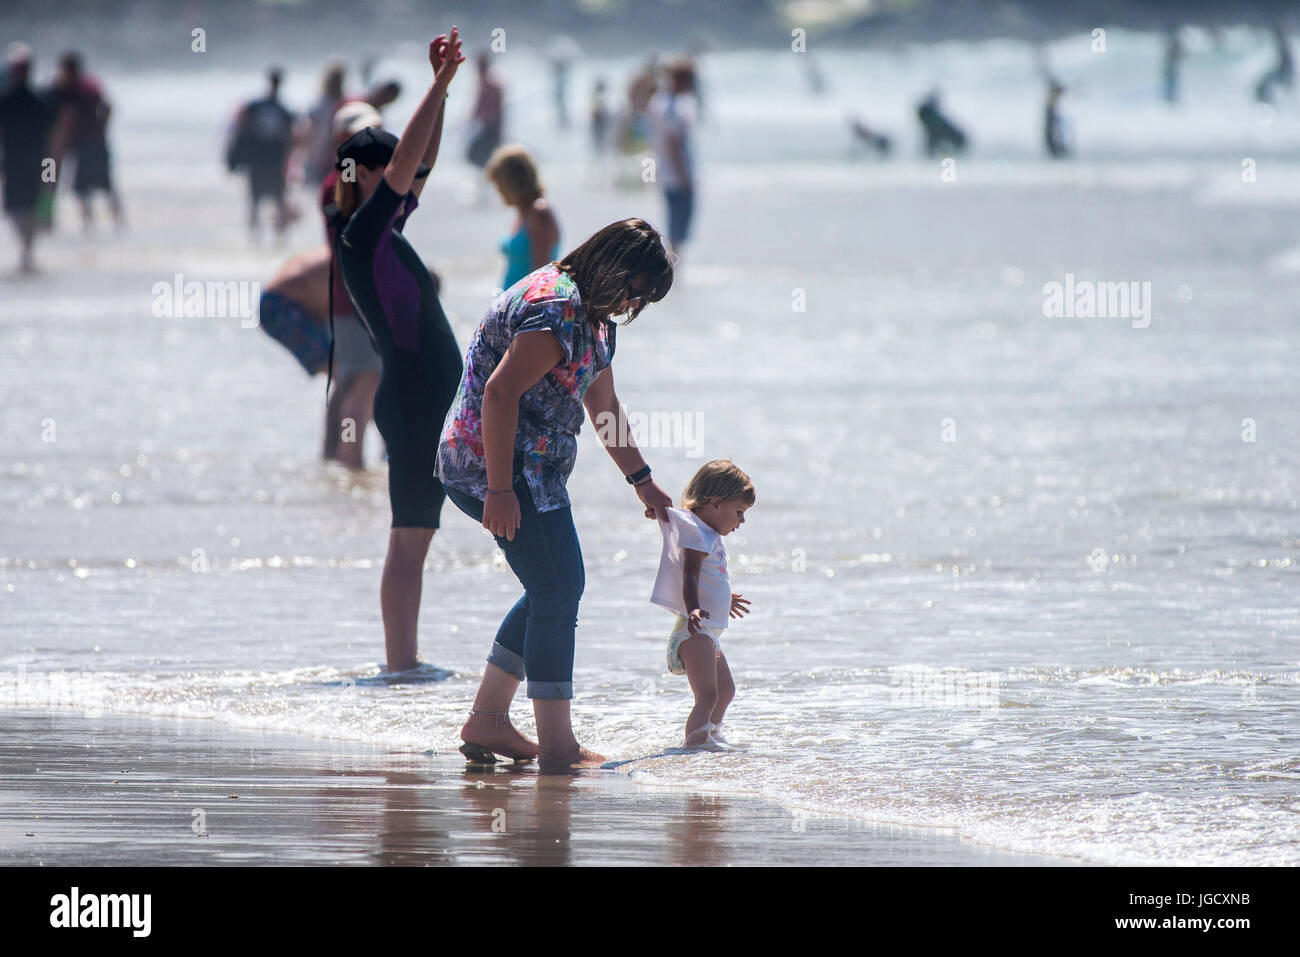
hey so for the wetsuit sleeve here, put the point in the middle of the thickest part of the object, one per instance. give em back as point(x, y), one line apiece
point(374, 217)
point(554, 315)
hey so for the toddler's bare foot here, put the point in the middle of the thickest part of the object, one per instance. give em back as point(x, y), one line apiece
point(702, 739)
point(496, 734)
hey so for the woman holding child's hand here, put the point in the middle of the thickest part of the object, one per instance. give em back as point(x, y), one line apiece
point(539, 357)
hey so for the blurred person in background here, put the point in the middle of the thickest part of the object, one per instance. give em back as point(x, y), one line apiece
point(872, 139)
point(634, 126)
point(673, 115)
point(305, 307)
point(81, 132)
point(1054, 140)
point(357, 364)
point(488, 114)
point(319, 158)
point(1283, 72)
point(25, 123)
point(599, 126)
point(561, 53)
point(535, 240)
point(598, 122)
point(941, 134)
point(381, 94)
point(259, 143)
point(1172, 64)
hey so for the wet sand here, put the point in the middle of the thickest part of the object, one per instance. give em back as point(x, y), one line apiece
point(135, 791)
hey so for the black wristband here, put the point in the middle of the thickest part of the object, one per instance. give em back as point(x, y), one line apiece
point(638, 475)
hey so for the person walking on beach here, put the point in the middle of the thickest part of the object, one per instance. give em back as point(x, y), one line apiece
point(1173, 62)
point(488, 115)
point(1283, 72)
point(318, 159)
point(82, 131)
point(260, 142)
point(693, 583)
point(540, 356)
point(942, 135)
point(25, 121)
point(393, 294)
point(536, 237)
point(634, 121)
point(1053, 125)
point(673, 115)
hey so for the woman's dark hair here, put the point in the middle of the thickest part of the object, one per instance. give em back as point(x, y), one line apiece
point(605, 267)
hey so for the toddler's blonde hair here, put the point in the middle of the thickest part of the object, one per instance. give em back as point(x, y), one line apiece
point(719, 479)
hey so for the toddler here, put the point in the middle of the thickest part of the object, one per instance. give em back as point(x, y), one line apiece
point(693, 582)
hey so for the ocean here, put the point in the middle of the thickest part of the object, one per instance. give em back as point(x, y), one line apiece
point(1028, 578)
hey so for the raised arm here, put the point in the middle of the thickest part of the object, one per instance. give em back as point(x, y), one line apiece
point(603, 406)
point(431, 153)
point(419, 141)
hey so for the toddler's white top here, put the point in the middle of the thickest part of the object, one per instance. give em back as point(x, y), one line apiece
point(683, 530)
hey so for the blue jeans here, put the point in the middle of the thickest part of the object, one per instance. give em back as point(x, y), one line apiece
point(535, 640)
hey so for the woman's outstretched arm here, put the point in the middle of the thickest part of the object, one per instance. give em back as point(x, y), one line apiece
point(419, 142)
point(602, 404)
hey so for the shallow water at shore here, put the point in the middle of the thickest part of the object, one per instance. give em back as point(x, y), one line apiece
point(1070, 631)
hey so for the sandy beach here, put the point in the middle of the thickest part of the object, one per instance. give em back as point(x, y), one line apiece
point(1023, 580)
point(117, 790)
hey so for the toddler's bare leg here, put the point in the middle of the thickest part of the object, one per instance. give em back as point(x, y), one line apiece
point(726, 690)
point(699, 659)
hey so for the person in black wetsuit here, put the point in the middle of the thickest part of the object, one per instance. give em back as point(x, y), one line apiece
point(942, 135)
point(25, 121)
point(380, 178)
point(1053, 126)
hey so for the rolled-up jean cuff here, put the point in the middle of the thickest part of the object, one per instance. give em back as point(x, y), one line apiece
point(550, 690)
point(507, 660)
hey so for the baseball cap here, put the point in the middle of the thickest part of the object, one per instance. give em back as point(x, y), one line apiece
point(371, 147)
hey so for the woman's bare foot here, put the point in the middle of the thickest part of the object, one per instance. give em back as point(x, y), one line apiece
point(564, 762)
point(495, 733)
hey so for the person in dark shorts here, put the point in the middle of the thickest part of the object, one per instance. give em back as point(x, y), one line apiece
point(380, 179)
point(82, 133)
point(25, 120)
point(260, 143)
point(488, 115)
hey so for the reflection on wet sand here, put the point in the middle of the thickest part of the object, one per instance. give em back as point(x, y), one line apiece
point(115, 789)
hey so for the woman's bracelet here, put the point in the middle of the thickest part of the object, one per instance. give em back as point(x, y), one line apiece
point(639, 476)
point(499, 491)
